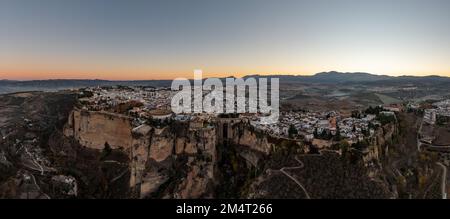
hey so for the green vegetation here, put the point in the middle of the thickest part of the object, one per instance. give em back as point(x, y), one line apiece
point(356, 114)
point(292, 131)
point(442, 120)
point(360, 145)
point(159, 123)
point(106, 151)
point(374, 110)
point(385, 119)
point(337, 137)
point(325, 135)
point(228, 115)
point(387, 99)
point(344, 146)
point(85, 93)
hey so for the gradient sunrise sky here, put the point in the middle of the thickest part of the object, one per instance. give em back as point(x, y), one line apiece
point(165, 39)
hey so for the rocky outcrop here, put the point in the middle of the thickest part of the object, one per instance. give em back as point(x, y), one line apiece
point(94, 129)
point(65, 156)
point(195, 184)
point(177, 160)
point(139, 152)
point(379, 145)
point(161, 144)
point(155, 150)
point(254, 141)
point(240, 132)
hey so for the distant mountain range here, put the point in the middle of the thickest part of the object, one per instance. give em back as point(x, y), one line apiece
point(356, 77)
point(332, 77)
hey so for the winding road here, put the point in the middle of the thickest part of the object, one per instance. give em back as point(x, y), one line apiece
point(301, 165)
point(283, 170)
point(38, 187)
point(422, 144)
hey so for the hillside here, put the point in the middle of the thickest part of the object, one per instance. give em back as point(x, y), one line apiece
point(332, 77)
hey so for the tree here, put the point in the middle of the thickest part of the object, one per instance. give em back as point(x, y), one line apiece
point(337, 137)
point(292, 131)
point(365, 132)
point(326, 135)
point(323, 135)
point(360, 145)
point(356, 114)
point(374, 110)
point(106, 150)
point(371, 126)
point(344, 146)
point(385, 119)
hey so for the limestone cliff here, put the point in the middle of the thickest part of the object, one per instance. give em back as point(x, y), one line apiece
point(94, 129)
point(156, 151)
point(178, 159)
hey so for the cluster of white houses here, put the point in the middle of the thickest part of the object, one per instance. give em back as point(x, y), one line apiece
point(309, 126)
point(441, 108)
point(313, 125)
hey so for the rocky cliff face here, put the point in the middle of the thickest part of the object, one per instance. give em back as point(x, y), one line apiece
point(223, 158)
point(179, 160)
point(95, 129)
point(55, 150)
point(246, 136)
point(156, 152)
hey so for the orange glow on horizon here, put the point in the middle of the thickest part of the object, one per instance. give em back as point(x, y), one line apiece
point(36, 75)
point(39, 72)
point(164, 75)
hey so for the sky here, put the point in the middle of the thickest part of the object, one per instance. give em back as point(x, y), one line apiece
point(166, 39)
